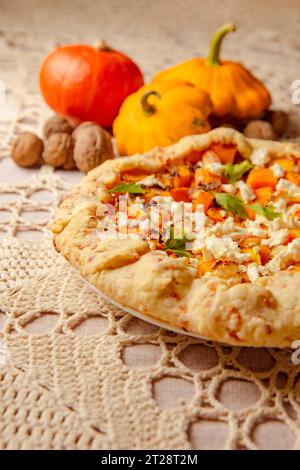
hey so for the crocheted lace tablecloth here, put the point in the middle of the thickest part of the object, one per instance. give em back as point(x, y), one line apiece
point(75, 371)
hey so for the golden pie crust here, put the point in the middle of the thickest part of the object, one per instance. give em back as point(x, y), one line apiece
point(262, 313)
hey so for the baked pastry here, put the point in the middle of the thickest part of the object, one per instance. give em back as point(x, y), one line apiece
point(237, 283)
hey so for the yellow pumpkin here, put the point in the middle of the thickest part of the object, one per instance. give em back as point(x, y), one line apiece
point(234, 91)
point(159, 114)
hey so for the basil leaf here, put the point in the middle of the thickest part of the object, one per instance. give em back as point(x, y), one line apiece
point(184, 253)
point(231, 204)
point(131, 188)
point(266, 211)
point(175, 243)
point(234, 172)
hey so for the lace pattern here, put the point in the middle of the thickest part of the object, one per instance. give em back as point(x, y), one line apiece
point(79, 373)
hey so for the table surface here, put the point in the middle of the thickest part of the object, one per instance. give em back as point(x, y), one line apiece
point(156, 34)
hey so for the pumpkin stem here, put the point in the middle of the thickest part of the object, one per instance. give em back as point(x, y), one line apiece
point(216, 43)
point(147, 107)
point(102, 46)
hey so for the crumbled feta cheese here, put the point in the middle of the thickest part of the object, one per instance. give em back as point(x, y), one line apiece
point(254, 228)
point(291, 253)
point(177, 208)
point(292, 209)
point(215, 168)
point(151, 181)
point(286, 185)
point(279, 205)
point(242, 268)
point(139, 200)
point(163, 200)
point(277, 170)
point(260, 157)
point(280, 222)
point(276, 238)
point(210, 157)
point(227, 228)
point(194, 262)
point(182, 212)
point(225, 247)
point(246, 192)
point(229, 188)
point(144, 225)
point(136, 210)
point(207, 255)
point(123, 220)
point(252, 272)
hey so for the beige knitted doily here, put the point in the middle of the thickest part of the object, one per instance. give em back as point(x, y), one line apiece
point(76, 372)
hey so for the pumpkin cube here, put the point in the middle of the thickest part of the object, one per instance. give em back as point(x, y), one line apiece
point(263, 194)
point(293, 178)
point(226, 153)
point(205, 198)
point(183, 177)
point(261, 177)
point(286, 163)
point(180, 194)
point(215, 214)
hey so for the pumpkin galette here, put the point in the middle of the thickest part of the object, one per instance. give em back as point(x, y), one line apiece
point(238, 281)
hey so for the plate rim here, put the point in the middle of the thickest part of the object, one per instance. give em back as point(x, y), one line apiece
point(137, 314)
point(156, 322)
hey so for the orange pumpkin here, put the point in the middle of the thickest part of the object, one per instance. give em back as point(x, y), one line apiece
point(88, 83)
point(234, 91)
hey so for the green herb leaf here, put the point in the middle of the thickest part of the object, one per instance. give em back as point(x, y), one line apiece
point(131, 188)
point(175, 243)
point(234, 172)
point(266, 211)
point(184, 253)
point(231, 204)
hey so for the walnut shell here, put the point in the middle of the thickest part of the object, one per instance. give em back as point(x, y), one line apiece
point(92, 146)
point(260, 130)
point(58, 151)
point(56, 124)
point(81, 127)
point(27, 149)
point(279, 120)
point(229, 125)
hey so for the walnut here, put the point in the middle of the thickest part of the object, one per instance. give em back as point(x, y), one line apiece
point(27, 149)
point(279, 120)
point(260, 130)
point(82, 127)
point(58, 151)
point(229, 125)
point(56, 124)
point(92, 146)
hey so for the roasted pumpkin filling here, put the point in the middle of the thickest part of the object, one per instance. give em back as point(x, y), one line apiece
point(251, 211)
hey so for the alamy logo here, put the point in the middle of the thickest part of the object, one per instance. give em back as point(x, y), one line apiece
point(3, 357)
point(152, 220)
point(2, 93)
point(296, 353)
point(296, 92)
